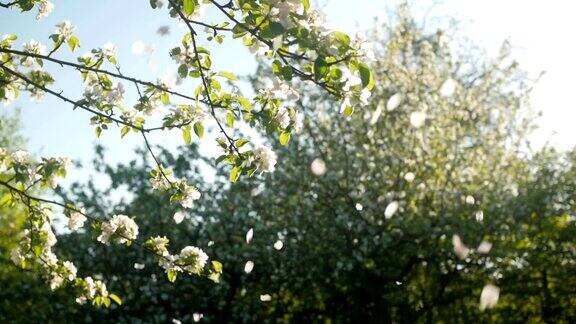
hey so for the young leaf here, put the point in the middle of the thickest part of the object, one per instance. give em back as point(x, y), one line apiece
point(186, 135)
point(320, 68)
point(116, 299)
point(284, 138)
point(366, 76)
point(199, 129)
point(235, 174)
point(189, 7)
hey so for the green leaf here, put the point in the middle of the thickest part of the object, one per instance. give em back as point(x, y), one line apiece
point(273, 30)
point(165, 98)
point(230, 119)
point(366, 76)
point(235, 174)
point(124, 131)
point(244, 102)
point(348, 111)
point(187, 135)
point(284, 138)
point(341, 38)
point(73, 43)
point(199, 129)
point(116, 299)
point(320, 68)
point(306, 4)
point(287, 72)
point(189, 7)
point(183, 71)
point(240, 142)
point(98, 131)
point(172, 275)
point(228, 75)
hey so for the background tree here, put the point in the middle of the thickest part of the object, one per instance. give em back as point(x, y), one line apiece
point(401, 213)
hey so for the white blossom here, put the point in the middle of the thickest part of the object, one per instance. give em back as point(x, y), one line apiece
point(109, 49)
point(283, 117)
point(297, 119)
point(76, 220)
point(44, 9)
point(65, 30)
point(121, 229)
point(189, 195)
point(20, 157)
point(192, 259)
point(391, 209)
point(489, 296)
point(265, 159)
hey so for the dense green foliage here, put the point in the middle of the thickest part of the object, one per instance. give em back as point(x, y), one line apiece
point(459, 166)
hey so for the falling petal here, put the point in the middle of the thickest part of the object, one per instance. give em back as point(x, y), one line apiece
point(394, 102)
point(484, 247)
point(448, 87)
point(489, 296)
point(249, 266)
point(265, 298)
point(197, 317)
point(318, 167)
point(409, 177)
point(178, 217)
point(139, 266)
point(249, 235)
point(470, 200)
point(138, 48)
point(391, 209)
point(417, 119)
point(479, 216)
point(278, 245)
point(460, 249)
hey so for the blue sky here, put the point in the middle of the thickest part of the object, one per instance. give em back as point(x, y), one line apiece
point(540, 33)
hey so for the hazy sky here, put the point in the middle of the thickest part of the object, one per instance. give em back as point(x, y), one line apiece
point(541, 33)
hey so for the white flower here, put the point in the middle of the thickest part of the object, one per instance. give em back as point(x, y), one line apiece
point(265, 298)
point(283, 117)
point(91, 289)
point(484, 247)
point(345, 104)
point(448, 87)
point(280, 90)
point(265, 159)
point(318, 167)
point(65, 29)
point(479, 216)
point(351, 79)
point(20, 157)
point(249, 235)
point(249, 266)
point(394, 102)
point(167, 262)
point(278, 245)
point(189, 195)
point(56, 282)
point(258, 48)
point(417, 118)
point(16, 256)
point(109, 49)
point(297, 119)
point(364, 96)
point(391, 209)
point(76, 220)
point(489, 296)
point(69, 270)
point(460, 249)
point(121, 229)
point(193, 259)
point(44, 9)
point(32, 47)
point(178, 217)
point(46, 229)
point(159, 244)
point(409, 177)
